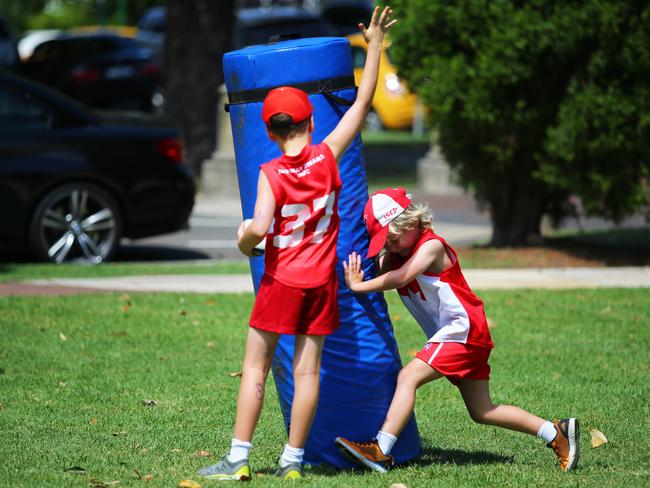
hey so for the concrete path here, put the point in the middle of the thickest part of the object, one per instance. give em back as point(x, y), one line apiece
point(550, 278)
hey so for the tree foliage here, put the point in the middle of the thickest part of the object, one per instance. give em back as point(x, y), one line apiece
point(535, 101)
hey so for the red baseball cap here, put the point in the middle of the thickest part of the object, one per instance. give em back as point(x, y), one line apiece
point(286, 100)
point(382, 207)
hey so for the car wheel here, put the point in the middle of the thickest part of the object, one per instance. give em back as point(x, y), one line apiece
point(373, 122)
point(76, 222)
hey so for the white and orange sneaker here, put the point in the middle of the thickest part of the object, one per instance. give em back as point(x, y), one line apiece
point(566, 443)
point(367, 454)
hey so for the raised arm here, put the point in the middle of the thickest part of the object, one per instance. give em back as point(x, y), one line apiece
point(351, 123)
point(251, 236)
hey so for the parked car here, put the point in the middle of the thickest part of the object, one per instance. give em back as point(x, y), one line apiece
point(73, 181)
point(8, 49)
point(393, 106)
point(346, 15)
point(252, 26)
point(103, 70)
point(33, 38)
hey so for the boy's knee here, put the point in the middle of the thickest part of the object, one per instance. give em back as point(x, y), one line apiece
point(407, 377)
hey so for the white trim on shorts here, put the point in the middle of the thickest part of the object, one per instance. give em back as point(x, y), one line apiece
point(435, 353)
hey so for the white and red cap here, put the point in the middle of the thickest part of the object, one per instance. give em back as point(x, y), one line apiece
point(287, 100)
point(382, 207)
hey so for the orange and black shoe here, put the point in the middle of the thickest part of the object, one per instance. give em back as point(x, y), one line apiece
point(366, 453)
point(566, 443)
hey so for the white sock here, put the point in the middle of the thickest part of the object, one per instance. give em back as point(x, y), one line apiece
point(291, 455)
point(239, 450)
point(547, 431)
point(386, 442)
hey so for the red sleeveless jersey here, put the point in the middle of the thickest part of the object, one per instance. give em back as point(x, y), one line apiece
point(444, 305)
point(301, 245)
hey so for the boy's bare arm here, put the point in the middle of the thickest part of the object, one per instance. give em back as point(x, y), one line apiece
point(348, 127)
point(425, 256)
point(251, 236)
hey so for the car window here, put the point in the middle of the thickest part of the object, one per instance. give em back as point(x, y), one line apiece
point(358, 57)
point(19, 111)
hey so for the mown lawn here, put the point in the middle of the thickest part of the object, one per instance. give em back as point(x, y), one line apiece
point(74, 372)
point(41, 271)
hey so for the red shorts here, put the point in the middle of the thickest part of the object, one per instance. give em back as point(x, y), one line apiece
point(287, 310)
point(457, 361)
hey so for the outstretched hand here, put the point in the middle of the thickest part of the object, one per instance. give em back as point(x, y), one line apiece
point(378, 26)
point(353, 271)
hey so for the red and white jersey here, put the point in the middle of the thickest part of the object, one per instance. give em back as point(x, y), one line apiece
point(444, 305)
point(301, 245)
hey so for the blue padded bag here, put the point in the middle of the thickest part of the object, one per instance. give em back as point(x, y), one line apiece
point(360, 360)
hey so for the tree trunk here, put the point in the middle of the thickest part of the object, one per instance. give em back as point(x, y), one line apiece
point(198, 32)
point(517, 213)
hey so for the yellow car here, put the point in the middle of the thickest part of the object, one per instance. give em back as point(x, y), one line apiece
point(393, 106)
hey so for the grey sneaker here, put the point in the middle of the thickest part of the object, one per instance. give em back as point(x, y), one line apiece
point(291, 471)
point(225, 470)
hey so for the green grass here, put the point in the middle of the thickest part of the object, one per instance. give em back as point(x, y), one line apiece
point(21, 272)
point(74, 371)
point(376, 138)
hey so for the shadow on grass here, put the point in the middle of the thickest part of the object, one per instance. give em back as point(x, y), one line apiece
point(429, 456)
point(434, 455)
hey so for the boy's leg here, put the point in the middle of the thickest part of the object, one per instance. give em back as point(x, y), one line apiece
point(260, 347)
point(376, 454)
point(476, 394)
point(410, 378)
point(306, 379)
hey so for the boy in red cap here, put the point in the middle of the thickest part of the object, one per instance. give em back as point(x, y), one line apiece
point(425, 271)
point(296, 216)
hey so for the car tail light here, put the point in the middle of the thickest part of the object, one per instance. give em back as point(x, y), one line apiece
point(171, 149)
point(149, 70)
point(83, 74)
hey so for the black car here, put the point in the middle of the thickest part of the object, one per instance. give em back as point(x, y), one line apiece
point(252, 26)
point(103, 70)
point(72, 182)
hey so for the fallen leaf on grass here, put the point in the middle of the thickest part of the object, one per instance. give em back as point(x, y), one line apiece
point(75, 470)
point(413, 352)
point(62, 336)
point(149, 403)
point(125, 308)
point(597, 438)
point(188, 484)
point(210, 301)
point(398, 485)
point(203, 453)
point(92, 421)
point(102, 484)
point(235, 374)
point(210, 344)
point(183, 313)
point(115, 434)
point(259, 475)
point(177, 450)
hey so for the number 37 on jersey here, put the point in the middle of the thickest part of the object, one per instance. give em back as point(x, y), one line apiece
point(294, 232)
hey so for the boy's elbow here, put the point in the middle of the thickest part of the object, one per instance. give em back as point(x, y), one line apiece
point(259, 231)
